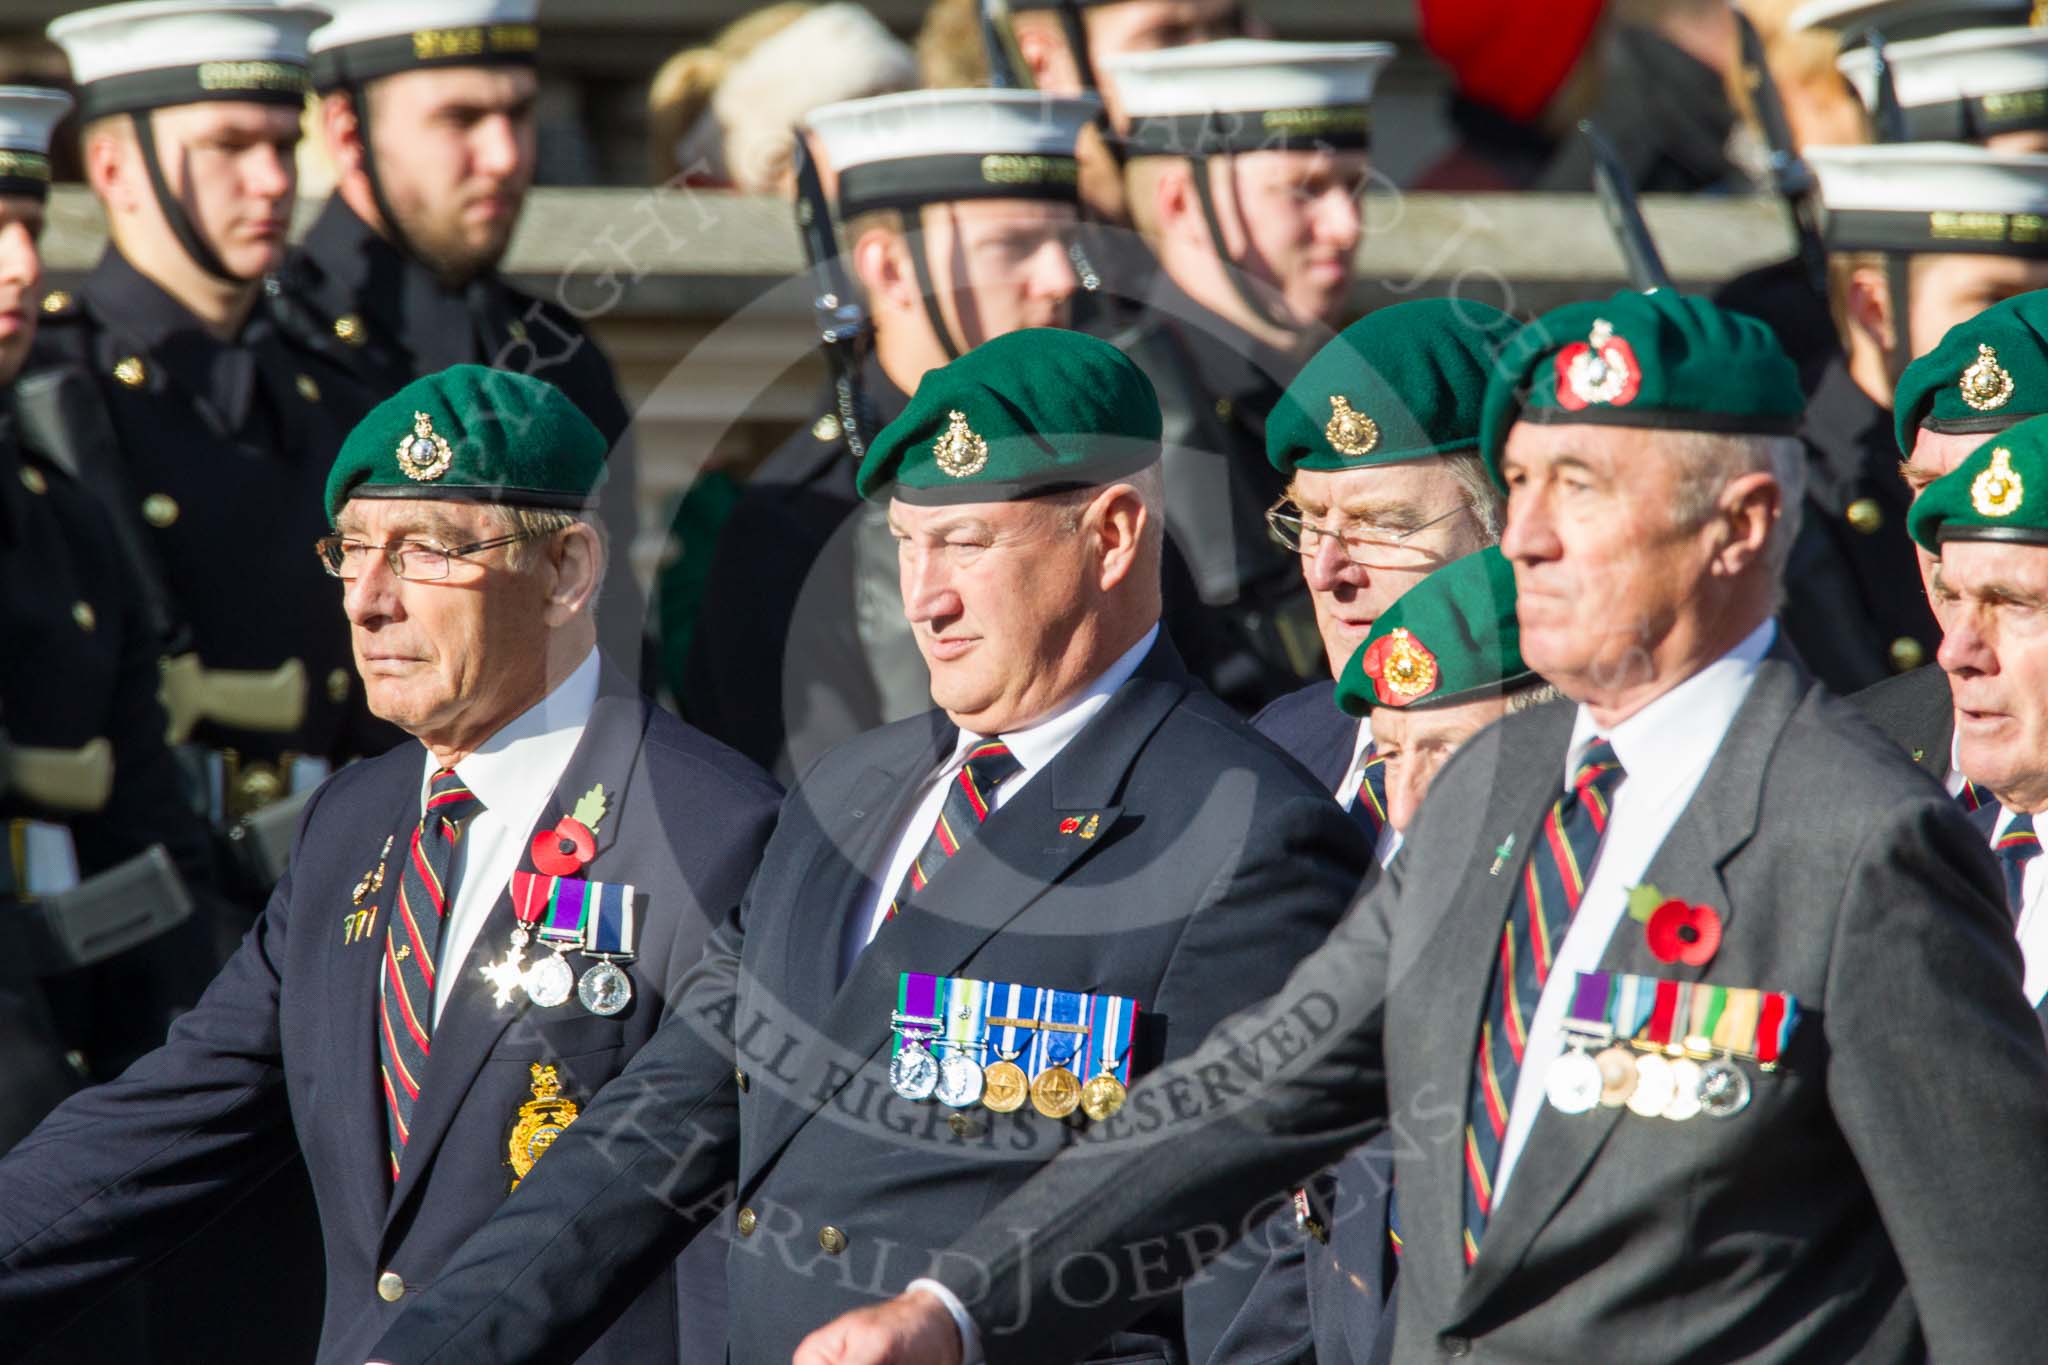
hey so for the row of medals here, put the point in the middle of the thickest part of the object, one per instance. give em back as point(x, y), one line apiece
point(602, 989)
point(959, 1081)
point(1664, 1083)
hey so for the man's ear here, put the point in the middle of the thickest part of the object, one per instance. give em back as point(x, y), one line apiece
point(1044, 50)
point(108, 155)
point(342, 132)
point(578, 557)
point(1750, 507)
point(1118, 518)
point(1868, 304)
point(882, 268)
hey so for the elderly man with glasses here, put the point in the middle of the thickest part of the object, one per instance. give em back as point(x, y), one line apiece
point(475, 933)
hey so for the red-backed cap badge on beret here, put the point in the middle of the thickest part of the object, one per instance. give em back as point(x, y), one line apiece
point(1601, 369)
point(1401, 668)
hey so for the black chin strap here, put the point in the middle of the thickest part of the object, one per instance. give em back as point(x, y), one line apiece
point(359, 98)
point(182, 227)
point(1198, 169)
point(1077, 42)
point(919, 244)
point(1898, 283)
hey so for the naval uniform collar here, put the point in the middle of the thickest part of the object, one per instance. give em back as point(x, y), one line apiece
point(222, 374)
point(405, 300)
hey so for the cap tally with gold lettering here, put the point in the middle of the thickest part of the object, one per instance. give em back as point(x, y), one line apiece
point(472, 434)
point(1248, 95)
point(1925, 197)
point(158, 53)
point(1998, 492)
point(28, 115)
point(372, 38)
point(936, 146)
point(1960, 87)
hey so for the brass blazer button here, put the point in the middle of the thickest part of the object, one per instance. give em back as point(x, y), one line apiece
point(739, 1077)
point(390, 1287)
point(748, 1221)
point(832, 1239)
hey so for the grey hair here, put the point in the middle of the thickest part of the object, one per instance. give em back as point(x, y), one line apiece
point(1524, 698)
point(539, 524)
point(1148, 483)
point(1709, 461)
point(1482, 495)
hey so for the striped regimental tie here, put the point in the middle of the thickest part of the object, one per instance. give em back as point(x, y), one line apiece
point(2015, 848)
point(1369, 807)
point(970, 796)
point(1553, 884)
point(412, 954)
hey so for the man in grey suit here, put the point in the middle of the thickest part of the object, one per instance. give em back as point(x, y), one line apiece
point(1811, 1130)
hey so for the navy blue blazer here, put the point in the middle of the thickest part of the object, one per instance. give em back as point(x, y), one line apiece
point(281, 1051)
point(1286, 1293)
point(1213, 865)
point(1308, 725)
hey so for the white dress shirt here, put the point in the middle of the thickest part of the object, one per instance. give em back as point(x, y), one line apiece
point(1034, 746)
point(1389, 842)
point(2033, 926)
point(513, 773)
point(1664, 749)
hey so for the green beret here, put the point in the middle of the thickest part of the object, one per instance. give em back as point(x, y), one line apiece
point(1402, 383)
point(1998, 492)
point(1661, 360)
point(472, 434)
point(1451, 638)
point(1034, 412)
point(1988, 373)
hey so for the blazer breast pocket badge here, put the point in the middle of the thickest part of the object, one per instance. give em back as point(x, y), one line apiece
point(1666, 1049)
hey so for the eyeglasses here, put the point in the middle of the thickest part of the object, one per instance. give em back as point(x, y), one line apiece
point(413, 560)
point(1364, 544)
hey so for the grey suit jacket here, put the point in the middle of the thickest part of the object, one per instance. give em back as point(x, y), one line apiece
point(1881, 1198)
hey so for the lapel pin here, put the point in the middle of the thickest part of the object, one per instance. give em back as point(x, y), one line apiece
point(357, 924)
point(1088, 829)
point(1070, 825)
point(1501, 855)
point(373, 880)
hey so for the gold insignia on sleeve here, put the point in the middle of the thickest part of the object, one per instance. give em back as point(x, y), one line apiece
point(425, 454)
point(1986, 385)
point(1998, 491)
point(960, 452)
point(1350, 432)
point(541, 1120)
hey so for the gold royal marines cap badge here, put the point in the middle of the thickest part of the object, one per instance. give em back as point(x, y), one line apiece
point(541, 1120)
point(1986, 385)
point(1998, 491)
point(960, 452)
point(1350, 431)
point(424, 455)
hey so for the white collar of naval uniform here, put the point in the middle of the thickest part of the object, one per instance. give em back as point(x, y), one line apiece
point(513, 773)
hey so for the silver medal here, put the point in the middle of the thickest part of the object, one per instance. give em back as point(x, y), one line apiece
point(914, 1072)
point(550, 981)
point(1653, 1086)
point(960, 1080)
point(605, 989)
point(1573, 1084)
point(1685, 1091)
point(1724, 1089)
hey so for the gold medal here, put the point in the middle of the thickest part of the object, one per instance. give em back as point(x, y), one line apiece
point(541, 1120)
point(1056, 1093)
point(1003, 1086)
point(1617, 1075)
point(1102, 1097)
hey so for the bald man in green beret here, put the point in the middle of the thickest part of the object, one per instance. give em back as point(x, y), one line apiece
point(476, 931)
point(1652, 973)
point(1989, 373)
point(956, 918)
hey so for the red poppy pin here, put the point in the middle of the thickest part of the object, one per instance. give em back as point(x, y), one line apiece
point(1070, 824)
point(1675, 931)
point(563, 850)
point(1601, 369)
point(1401, 668)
